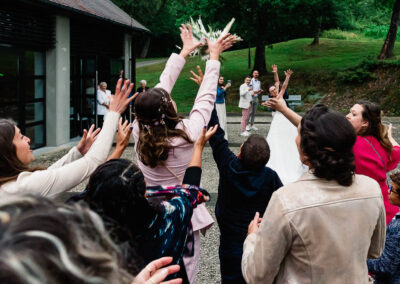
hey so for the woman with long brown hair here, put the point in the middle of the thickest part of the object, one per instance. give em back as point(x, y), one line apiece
point(16, 175)
point(164, 140)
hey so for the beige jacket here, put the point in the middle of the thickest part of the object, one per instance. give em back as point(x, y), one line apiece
point(316, 231)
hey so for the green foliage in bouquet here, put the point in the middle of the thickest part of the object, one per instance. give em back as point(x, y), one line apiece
point(200, 33)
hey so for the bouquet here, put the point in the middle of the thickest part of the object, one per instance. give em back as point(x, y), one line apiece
point(199, 33)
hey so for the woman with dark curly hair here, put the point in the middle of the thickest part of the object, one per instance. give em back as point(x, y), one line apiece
point(164, 140)
point(321, 228)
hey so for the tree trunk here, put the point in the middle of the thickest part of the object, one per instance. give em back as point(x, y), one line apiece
point(259, 58)
point(316, 38)
point(388, 45)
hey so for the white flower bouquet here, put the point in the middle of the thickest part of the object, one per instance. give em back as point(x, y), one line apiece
point(199, 33)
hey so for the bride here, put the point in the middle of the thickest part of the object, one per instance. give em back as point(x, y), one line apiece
point(284, 159)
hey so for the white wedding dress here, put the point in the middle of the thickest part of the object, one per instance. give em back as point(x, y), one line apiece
point(285, 158)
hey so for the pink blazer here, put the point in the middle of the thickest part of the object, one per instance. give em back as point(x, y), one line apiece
point(179, 157)
point(368, 163)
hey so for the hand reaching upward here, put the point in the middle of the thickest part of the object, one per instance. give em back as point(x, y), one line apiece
point(189, 43)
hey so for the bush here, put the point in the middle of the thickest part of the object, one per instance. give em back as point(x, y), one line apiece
point(339, 34)
point(378, 32)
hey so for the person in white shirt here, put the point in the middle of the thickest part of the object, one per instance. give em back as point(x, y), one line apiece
point(246, 94)
point(103, 103)
point(256, 84)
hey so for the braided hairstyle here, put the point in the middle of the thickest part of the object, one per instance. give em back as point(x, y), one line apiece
point(157, 119)
point(327, 140)
point(372, 113)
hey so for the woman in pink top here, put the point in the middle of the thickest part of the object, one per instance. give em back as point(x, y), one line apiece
point(164, 140)
point(375, 150)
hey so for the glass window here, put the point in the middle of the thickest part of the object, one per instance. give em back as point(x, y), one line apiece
point(34, 112)
point(36, 134)
point(34, 63)
point(10, 112)
point(34, 89)
point(8, 64)
point(8, 90)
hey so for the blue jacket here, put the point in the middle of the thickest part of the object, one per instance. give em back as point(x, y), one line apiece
point(386, 268)
point(241, 193)
point(221, 94)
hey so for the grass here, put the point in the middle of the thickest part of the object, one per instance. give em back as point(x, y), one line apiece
point(319, 62)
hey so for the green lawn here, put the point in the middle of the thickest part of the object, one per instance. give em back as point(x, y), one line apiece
point(330, 56)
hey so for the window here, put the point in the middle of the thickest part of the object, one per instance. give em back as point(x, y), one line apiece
point(22, 92)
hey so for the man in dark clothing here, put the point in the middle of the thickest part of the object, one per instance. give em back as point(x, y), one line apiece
point(245, 187)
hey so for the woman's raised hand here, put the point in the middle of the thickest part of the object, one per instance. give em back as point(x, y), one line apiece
point(274, 68)
point(154, 273)
point(197, 78)
point(216, 48)
point(121, 99)
point(189, 43)
point(87, 140)
point(288, 73)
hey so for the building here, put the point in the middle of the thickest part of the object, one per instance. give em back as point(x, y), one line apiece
point(53, 54)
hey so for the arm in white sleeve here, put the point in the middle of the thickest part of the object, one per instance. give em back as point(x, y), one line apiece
point(171, 72)
point(71, 156)
point(264, 251)
point(51, 182)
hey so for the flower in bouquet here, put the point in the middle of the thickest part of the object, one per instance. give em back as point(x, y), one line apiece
point(200, 33)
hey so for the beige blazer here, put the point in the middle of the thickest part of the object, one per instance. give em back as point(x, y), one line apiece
point(316, 231)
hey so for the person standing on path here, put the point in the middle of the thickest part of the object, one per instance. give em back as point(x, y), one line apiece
point(246, 94)
point(256, 84)
point(220, 104)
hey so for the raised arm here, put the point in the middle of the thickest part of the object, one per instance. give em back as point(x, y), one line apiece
point(204, 103)
point(279, 104)
point(176, 62)
point(276, 76)
point(51, 182)
point(288, 73)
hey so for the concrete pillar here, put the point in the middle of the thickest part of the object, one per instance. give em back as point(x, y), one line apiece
point(128, 55)
point(58, 85)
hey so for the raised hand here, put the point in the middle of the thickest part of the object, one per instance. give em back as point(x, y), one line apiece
point(278, 104)
point(254, 224)
point(288, 73)
point(121, 99)
point(189, 43)
point(206, 135)
point(197, 78)
point(124, 133)
point(87, 140)
point(154, 273)
point(274, 68)
point(216, 48)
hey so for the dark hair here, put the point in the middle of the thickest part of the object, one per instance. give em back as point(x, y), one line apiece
point(247, 77)
point(157, 120)
point(220, 76)
point(327, 141)
point(395, 177)
point(45, 242)
point(255, 152)
point(372, 113)
point(270, 85)
point(116, 191)
point(10, 165)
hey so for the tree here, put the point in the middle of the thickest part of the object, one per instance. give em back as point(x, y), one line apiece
point(388, 45)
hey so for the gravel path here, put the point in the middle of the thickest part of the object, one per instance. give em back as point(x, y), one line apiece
point(209, 271)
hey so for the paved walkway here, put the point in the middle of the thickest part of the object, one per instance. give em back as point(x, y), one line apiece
point(209, 272)
point(149, 62)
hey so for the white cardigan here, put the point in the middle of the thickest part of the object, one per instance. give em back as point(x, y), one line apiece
point(70, 170)
point(245, 96)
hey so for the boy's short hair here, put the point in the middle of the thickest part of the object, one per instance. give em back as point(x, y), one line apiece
point(395, 177)
point(255, 152)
